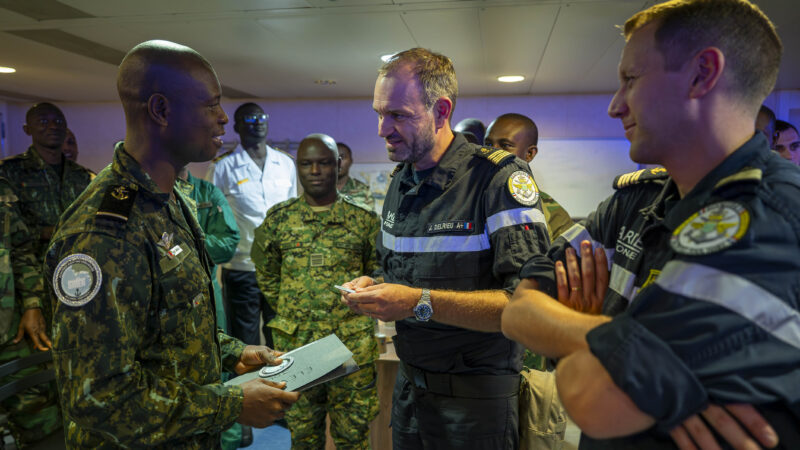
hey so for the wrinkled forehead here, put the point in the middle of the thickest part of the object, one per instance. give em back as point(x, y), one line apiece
point(396, 90)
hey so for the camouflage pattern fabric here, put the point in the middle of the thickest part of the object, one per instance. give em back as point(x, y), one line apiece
point(299, 255)
point(359, 192)
point(33, 414)
point(137, 355)
point(558, 220)
point(43, 195)
point(216, 219)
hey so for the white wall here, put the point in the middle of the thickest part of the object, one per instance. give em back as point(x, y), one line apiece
point(580, 148)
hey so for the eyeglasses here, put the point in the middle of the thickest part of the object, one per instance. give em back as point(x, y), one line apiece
point(255, 118)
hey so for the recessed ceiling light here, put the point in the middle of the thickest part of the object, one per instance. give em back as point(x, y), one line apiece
point(387, 57)
point(510, 78)
point(7, 69)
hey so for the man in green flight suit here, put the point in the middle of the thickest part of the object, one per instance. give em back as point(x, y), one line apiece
point(304, 247)
point(347, 185)
point(136, 350)
point(32, 414)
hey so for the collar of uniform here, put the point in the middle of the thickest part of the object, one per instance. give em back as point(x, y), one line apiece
point(755, 148)
point(34, 159)
point(185, 186)
point(656, 209)
point(310, 216)
point(129, 169)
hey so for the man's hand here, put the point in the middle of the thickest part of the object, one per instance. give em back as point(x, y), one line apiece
point(583, 288)
point(383, 301)
point(265, 402)
point(32, 323)
point(255, 357)
point(721, 418)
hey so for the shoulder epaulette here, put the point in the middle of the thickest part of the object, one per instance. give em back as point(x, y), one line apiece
point(8, 198)
point(222, 156)
point(284, 152)
point(495, 155)
point(397, 168)
point(281, 205)
point(746, 175)
point(117, 202)
point(351, 201)
point(640, 176)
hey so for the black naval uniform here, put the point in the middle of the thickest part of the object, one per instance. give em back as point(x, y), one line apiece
point(460, 228)
point(705, 289)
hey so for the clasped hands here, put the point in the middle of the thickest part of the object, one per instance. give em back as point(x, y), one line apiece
point(583, 287)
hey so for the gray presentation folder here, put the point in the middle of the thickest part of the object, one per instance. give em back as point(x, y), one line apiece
point(307, 366)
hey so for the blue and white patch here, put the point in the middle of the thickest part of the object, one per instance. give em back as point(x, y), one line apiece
point(522, 187)
point(77, 279)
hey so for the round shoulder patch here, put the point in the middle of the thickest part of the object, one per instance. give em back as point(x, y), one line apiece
point(522, 187)
point(77, 279)
point(713, 228)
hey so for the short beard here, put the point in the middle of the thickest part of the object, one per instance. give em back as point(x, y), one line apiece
point(422, 145)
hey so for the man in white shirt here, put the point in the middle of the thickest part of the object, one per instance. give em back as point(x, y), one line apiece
point(253, 177)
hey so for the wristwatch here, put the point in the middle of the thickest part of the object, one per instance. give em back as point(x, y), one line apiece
point(424, 310)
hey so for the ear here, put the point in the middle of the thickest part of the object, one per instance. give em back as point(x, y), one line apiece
point(706, 71)
point(158, 109)
point(26, 129)
point(531, 152)
point(441, 111)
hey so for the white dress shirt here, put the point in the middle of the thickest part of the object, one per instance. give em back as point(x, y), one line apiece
point(252, 192)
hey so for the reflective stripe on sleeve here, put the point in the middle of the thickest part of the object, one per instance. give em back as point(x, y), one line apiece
point(577, 234)
point(427, 244)
point(734, 293)
point(621, 281)
point(510, 217)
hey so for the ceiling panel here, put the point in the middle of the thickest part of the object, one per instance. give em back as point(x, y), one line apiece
point(47, 72)
point(514, 41)
point(584, 46)
point(113, 8)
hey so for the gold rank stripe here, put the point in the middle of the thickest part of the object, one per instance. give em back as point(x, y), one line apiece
point(498, 156)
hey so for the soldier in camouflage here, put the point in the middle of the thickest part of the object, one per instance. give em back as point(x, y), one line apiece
point(32, 414)
point(136, 351)
point(519, 135)
point(304, 247)
point(45, 182)
point(355, 189)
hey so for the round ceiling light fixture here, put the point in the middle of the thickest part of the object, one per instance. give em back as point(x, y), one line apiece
point(387, 57)
point(510, 78)
point(7, 69)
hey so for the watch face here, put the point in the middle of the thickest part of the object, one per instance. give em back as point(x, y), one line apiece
point(423, 312)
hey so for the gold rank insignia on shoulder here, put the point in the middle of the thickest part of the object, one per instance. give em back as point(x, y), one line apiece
point(746, 175)
point(522, 187)
point(397, 168)
point(640, 176)
point(496, 156)
point(117, 202)
point(222, 156)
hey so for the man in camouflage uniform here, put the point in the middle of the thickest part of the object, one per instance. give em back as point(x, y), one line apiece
point(519, 135)
point(32, 414)
point(137, 355)
point(45, 182)
point(304, 247)
point(355, 189)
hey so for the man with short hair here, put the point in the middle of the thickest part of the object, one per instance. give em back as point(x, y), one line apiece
point(457, 222)
point(253, 177)
point(518, 134)
point(347, 185)
point(70, 146)
point(136, 350)
point(787, 142)
point(705, 251)
point(765, 123)
point(472, 129)
point(304, 247)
